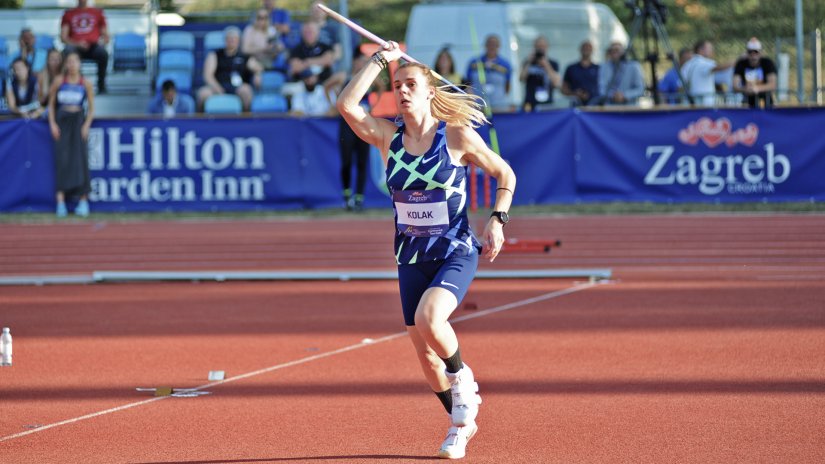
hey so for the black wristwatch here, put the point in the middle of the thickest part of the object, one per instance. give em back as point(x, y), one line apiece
point(502, 217)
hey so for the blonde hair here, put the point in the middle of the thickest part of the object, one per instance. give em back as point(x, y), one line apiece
point(456, 109)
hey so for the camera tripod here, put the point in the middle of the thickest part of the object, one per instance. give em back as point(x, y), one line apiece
point(652, 13)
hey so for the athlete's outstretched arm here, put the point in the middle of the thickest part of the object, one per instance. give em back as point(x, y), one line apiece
point(477, 152)
point(375, 131)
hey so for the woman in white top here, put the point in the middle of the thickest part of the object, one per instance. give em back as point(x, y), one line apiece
point(260, 39)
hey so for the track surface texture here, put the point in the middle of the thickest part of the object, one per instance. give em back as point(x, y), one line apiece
point(706, 347)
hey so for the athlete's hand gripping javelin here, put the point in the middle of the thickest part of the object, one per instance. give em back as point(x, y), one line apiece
point(391, 51)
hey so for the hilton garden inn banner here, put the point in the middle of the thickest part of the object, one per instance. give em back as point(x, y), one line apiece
point(559, 157)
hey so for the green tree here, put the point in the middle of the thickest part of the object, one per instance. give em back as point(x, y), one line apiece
point(10, 4)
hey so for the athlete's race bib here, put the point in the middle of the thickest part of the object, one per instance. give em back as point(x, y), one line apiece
point(422, 213)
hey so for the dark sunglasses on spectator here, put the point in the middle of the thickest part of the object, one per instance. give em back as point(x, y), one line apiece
point(753, 52)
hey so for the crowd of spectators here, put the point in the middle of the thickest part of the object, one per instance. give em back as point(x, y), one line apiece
point(618, 79)
point(314, 64)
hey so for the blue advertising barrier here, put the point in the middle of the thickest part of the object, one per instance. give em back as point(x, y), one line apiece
point(559, 157)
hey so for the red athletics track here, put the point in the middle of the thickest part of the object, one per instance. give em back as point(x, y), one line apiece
point(707, 347)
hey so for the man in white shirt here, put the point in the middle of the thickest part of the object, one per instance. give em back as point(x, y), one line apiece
point(314, 99)
point(698, 73)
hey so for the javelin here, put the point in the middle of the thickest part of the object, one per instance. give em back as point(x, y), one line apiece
point(369, 35)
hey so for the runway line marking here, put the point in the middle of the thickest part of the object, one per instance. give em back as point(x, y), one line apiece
point(505, 307)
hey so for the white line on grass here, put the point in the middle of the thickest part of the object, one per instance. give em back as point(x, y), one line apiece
point(486, 312)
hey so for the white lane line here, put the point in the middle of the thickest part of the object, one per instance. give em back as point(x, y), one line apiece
point(486, 312)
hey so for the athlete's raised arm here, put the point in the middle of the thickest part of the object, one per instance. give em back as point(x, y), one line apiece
point(375, 131)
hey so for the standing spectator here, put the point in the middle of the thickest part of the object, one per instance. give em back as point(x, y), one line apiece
point(52, 70)
point(279, 17)
point(581, 79)
point(170, 103)
point(227, 70)
point(620, 80)
point(541, 77)
point(84, 30)
point(497, 72)
point(28, 49)
point(351, 147)
point(3, 104)
point(21, 94)
point(311, 53)
point(698, 73)
point(671, 86)
point(70, 129)
point(445, 65)
point(755, 76)
point(260, 40)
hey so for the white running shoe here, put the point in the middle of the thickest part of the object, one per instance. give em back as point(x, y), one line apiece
point(465, 396)
point(455, 445)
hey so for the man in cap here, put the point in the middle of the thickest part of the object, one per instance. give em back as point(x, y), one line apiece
point(755, 76)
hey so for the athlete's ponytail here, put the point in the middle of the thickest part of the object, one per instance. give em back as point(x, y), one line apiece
point(456, 109)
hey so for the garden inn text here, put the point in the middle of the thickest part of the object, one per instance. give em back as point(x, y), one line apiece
point(162, 165)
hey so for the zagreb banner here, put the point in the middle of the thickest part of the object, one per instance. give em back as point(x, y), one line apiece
point(718, 156)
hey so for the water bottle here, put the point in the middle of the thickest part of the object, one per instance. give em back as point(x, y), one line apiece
point(5, 347)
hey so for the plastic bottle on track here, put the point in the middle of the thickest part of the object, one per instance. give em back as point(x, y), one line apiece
point(5, 347)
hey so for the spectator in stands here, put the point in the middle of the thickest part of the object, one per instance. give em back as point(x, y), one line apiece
point(170, 103)
point(70, 124)
point(84, 30)
point(496, 73)
point(229, 71)
point(314, 98)
point(620, 80)
point(699, 71)
point(52, 70)
point(260, 40)
point(28, 47)
point(279, 17)
point(311, 53)
point(328, 31)
point(3, 104)
point(755, 76)
point(581, 79)
point(21, 94)
point(671, 86)
point(541, 77)
point(445, 65)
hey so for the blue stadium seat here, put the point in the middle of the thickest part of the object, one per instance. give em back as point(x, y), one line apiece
point(272, 81)
point(176, 60)
point(177, 40)
point(182, 80)
point(4, 69)
point(269, 103)
point(129, 52)
point(44, 41)
point(213, 40)
point(223, 104)
point(39, 62)
point(3, 47)
point(281, 63)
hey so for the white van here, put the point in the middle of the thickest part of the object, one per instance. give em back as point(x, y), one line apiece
point(431, 26)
